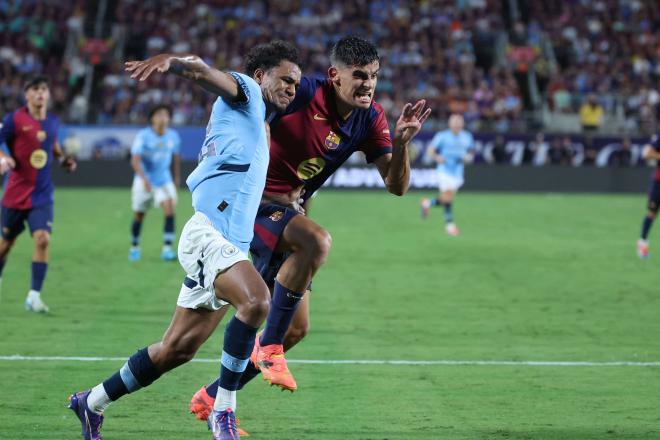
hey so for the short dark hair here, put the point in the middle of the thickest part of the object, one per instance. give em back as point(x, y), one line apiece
point(165, 107)
point(354, 51)
point(269, 55)
point(35, 80)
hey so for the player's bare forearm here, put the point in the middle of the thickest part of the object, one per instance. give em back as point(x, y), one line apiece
point(394, 168)
point(190, 67)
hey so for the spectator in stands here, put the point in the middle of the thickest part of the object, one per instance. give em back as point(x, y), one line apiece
point(591, 115)
point(499, 150)
point(622, 157)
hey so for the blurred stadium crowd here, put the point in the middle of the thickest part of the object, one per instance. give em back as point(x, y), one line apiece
point(509, 65)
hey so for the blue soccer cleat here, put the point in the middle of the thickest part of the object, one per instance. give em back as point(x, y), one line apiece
point(134, 254)
point(223, 425)
point(167, 254)
point(91, 422)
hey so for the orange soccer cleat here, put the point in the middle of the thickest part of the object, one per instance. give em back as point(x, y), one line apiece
point(269, 359)
point(201, 405)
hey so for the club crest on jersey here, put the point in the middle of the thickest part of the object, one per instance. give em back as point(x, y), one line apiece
point(276, 216)
point(38, 158)
point(332, 141)
point(41, 135)
point(310, 168)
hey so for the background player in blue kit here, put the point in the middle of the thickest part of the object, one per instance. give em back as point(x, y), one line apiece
point(651, 152)
point(450, 149)
point(155, 157)
point(226, 190)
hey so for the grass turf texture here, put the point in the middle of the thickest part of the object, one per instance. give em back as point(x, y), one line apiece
point(532, 277)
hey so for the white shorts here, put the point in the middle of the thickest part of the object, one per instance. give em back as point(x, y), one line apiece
point(449, 183)
point(141, 200)
point(204, 253)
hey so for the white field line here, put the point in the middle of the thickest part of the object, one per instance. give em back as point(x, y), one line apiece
point(18, 357)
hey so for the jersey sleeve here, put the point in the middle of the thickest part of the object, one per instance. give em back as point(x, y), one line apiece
point(378, 141)
point(7, 131)
point(470, 142)
point(138, 144)
point(436, 143)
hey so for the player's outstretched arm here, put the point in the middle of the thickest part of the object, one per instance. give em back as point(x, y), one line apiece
point(190, 67)
point(650, 153)
point(395, 167)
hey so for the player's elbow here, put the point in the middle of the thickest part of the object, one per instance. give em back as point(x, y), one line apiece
point(397, 189)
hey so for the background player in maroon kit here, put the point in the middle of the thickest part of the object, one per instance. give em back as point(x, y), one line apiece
point(30, 134)
point(651, 152)
point(328, 121)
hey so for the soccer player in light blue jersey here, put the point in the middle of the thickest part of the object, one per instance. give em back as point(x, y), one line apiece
point(226, 190)
point(450, 150)
point(154, 158)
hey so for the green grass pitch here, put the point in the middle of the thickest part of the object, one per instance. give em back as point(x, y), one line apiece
point(531, 278)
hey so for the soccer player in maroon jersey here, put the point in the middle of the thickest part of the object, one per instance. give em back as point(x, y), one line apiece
point(651, 152)
point(30, 134)
point(329, 120)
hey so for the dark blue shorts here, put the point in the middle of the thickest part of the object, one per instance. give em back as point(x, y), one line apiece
point(13, 220)
point(654, 196)
point(268, 228)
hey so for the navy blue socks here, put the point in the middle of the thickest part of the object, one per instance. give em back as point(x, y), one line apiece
point(38, 275)
point(282, 308)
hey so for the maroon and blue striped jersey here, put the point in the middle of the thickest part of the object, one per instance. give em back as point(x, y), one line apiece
point(30, 143)
point(310, 141)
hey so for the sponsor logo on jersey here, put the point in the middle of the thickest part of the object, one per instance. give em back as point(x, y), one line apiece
point(38, 158)
point(310, 168)
point(228, 250)
point(276, 216)
point(41, 135)
point(317, 117)
point(332, 141)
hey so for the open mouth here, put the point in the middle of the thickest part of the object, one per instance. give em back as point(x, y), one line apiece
point(363, 97)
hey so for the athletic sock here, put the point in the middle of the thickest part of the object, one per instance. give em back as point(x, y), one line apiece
point(646, 226)
point(282, 308)
point(168, 230)
point(250, 373)
point(135, 233)
point(39, 270)
point(2, 266)
point(138, 372)
point(236, 350)
point(449, 215)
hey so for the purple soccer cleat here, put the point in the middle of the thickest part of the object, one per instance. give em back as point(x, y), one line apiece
point(223, 425)
point(91, 422)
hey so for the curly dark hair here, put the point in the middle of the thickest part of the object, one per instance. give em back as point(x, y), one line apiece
point(269, 55)
point(354, 51)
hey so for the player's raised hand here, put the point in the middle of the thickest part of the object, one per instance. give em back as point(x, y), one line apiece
point(141, 70)
point(410, 122)
point(6, 163)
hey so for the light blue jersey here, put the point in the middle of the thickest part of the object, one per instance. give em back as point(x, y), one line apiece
point(229, 180)
point(156, 154)
point(453, 148)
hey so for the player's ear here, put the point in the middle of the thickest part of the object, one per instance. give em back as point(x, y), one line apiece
point(333, 74)
point(258, 75)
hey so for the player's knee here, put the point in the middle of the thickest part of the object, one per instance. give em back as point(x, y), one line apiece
point(651, 214)
point(319, 246)
point(41, 239)
point(258, 305)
